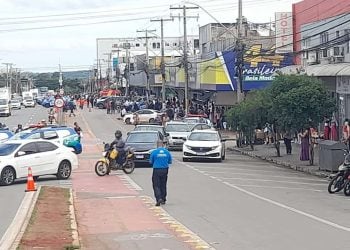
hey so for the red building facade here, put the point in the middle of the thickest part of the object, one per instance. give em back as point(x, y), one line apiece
point(309, 11)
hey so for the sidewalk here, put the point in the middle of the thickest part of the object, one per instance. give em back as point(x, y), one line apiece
point(268, 153)
point(111, 212)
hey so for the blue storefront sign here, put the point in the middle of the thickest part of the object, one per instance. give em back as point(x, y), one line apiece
point(259, 66)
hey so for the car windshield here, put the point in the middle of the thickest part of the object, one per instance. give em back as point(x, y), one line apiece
point(3, 101)
point(178, 128)
point(28, 98)
point(8, 148)
point(142, 138)
point(189, 120)
point(14, 101)
point(203, 137)
point(149, 128)
point(21, 135)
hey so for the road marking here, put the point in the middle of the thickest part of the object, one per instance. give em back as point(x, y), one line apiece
point(281, 205)
point(129, 182)
point(274, 176)
point(180, 230)
point(245, 169)
point(311, 216)
point(266, 180)
point(121, 197)
point(278, 187)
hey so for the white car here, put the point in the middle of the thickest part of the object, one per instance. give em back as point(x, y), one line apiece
point(177, 133)
point(44, 157)
point(144, 116)
point(204, 144)
point(15, 104)
point(28, 102)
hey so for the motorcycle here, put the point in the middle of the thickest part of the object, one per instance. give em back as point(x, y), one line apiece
point(347, 187)
point(341, 179)
point(109, 161)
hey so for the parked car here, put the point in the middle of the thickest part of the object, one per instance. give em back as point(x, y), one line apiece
point(5, 135)
point(16, 104)
point(63, 135)
point(150, 127)
point(44, 157)
point(143, 143)
point(144, 116)
point(205, 144)
point(178, 133)
point(100, 102)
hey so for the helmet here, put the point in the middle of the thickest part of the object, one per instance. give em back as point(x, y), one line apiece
point(118, 134)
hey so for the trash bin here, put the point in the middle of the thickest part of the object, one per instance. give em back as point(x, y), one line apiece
point(331, 155)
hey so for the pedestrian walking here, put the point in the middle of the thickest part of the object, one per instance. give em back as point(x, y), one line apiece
point(71, 107)
point(160, 160)
point(78, 129)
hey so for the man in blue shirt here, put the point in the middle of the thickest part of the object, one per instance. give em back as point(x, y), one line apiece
point(160, 159)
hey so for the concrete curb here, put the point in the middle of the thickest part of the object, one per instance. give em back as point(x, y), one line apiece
point(282, 163)
point(15, 231)
point(74, 225)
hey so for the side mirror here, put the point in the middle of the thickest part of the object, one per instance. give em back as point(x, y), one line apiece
point(21, 153)
point(167, 134)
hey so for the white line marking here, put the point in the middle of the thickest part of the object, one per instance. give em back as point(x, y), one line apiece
point(265, 180)
point(130, 182)
point(246, 169)
point(277, 187)
point(121, 197)
point(311, 216)
point(273, 176)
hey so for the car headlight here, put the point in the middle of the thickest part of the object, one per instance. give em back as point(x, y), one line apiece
point(189, 147)
point(215, 147)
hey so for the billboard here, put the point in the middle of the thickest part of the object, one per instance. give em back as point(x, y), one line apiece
point(284, 32)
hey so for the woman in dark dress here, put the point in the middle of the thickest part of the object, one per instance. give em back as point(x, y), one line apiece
point(305, 145)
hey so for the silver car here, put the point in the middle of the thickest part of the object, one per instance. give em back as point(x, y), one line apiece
point(177, 133)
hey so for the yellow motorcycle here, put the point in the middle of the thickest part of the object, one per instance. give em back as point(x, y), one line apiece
point(109, 161)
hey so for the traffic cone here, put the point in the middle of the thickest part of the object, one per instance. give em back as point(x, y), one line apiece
point(30, 181)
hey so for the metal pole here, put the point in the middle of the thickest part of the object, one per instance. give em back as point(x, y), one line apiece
point(185, 59)
point(147, 67)
point(239, 55)
point(162, 59)
point(127, 76)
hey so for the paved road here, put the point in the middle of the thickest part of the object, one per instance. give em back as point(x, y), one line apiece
point(11, 196)
point(244, 203)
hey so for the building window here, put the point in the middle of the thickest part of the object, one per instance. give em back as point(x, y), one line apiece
point(336, 51)
point(115, 45)
point(196, 43)
point(137, 45)
point(324, 53)
point(324, 37)
point(158, 45)
point(154, 45)
point(167, 44)
point(337, 34)
point(174, 44)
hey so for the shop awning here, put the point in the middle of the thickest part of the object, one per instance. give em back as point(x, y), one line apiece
point(339, 69)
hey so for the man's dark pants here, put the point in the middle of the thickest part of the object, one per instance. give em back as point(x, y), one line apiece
point(159, 181)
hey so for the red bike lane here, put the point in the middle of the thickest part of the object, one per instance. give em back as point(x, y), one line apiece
point(111, 214)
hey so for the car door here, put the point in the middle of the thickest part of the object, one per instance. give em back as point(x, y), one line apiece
point(31, 158)
point(48, 153)
point(141, 116)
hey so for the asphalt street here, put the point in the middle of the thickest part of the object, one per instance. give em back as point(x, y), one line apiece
point(244, 203)
point(11, 196)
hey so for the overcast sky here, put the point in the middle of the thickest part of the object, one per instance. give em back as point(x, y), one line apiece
point(36, 35)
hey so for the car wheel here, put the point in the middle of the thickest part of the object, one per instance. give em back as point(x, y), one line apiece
point(100, 106)
point(8, 176)
point(64, 170)
point(151, 120)
point(127, 120)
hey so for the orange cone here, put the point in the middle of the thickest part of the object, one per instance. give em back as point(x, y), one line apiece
point(30, 181)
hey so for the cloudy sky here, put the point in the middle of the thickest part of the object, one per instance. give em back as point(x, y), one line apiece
point(36, 35)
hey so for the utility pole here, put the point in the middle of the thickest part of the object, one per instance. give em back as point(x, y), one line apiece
point(162, 63)
point(239, 54)
point(8, 66)
point(185, 59)
point(148, 88)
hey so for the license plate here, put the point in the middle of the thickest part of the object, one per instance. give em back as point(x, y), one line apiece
point(200, 153)
point(139, 156)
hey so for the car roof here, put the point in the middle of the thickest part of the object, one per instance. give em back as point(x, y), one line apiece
point(22, 141)
point(150, 125)
point(177, 122)
point(206, 131)
point(142, 131)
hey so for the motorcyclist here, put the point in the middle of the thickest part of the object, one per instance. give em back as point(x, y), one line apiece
point(19, 128)
point(119, 145)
